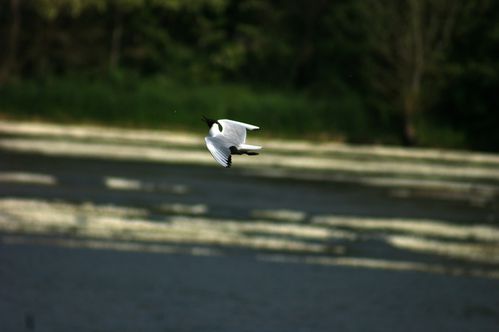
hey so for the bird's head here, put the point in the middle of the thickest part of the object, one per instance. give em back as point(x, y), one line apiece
point(211, 122)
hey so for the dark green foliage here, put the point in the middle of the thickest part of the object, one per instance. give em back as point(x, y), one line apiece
point(338, 69)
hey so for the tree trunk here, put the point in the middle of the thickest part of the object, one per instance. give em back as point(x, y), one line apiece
point(12, 43)
point(416, 66)
point(409, 137)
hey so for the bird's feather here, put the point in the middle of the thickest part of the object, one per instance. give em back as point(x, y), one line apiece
point(229, 139)
point(220, 150)
point(237, 123)
point(233, 131)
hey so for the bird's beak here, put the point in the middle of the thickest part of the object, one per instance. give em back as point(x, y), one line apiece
point(205, 119)
point(209, 122)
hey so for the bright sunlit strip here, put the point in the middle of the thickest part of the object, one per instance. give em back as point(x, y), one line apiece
point(170, 155)
point(124, 228)
point(186, 209)
point(31, 178)
point(131, 135)
point(286, 215)
point(117, 183)
point(413, 226)
point(94, 132)
point(355, 262)
point(40, 210)
point(477, 252)
point(102, 222)
point(380, 264)
point(111, 245)
point(123, 184)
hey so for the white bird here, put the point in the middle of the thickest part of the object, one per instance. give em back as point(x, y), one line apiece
point(228, 137)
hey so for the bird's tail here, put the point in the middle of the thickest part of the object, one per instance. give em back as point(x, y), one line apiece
point(249, 147)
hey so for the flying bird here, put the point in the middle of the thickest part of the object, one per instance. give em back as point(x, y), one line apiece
point(227, 138)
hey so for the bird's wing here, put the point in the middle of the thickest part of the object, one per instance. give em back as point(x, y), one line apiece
point(245, 125)
point(220, 150)
point(234, 131)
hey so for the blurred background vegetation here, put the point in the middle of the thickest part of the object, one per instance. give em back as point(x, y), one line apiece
point(412, 72)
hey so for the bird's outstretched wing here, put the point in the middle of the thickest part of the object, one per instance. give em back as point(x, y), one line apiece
point(235, 131)
point(245, 125)
point(220, 150)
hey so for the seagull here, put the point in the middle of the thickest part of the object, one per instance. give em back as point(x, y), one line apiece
point(228, 137)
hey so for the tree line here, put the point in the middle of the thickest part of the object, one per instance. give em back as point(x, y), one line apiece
point(413, 66)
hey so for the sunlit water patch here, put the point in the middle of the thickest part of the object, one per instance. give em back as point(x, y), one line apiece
point(119, 223)
point(283, 215)
point(117, 183)
point(423, 227)
point(28, 178)
point(324, 241)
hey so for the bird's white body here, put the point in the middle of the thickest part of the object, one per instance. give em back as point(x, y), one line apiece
point(228, 137)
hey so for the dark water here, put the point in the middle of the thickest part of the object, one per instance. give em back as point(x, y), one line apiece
point(93, 290)
point(51, 288)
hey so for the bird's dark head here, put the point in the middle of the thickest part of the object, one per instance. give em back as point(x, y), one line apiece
point(210, 122)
